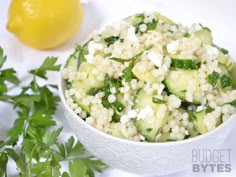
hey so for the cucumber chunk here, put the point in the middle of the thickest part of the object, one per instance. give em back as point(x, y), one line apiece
point(229, 63)
point(150, 126)
point(204, 35)
point(86, 84)
point(177, 82)
point(198, 121)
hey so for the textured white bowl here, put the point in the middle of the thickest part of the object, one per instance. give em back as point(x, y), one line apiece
point(142, 157)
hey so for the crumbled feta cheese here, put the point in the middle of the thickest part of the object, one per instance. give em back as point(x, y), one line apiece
point(132, 114)
point(145, 113)
point(200, 108)
point(124, 119)
point(173, 47)
point(155, 58)
point(211, 52)
point(98, 46)
point(131, 34)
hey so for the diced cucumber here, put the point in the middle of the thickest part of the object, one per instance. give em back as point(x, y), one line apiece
point(199, 122)
point(143, 76)
point(222, 58)
point(73, 62)
point(164, 19)
point(134, 20)
point(86, 84)
point(177, 82)
point(150, 126)
point(91, 80)
point(233, 74)
point(176, 62)
point(204, 35)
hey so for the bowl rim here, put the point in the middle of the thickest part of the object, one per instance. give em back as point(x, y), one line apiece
point(126, 141)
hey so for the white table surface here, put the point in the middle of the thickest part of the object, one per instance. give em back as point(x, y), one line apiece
point(218, 15)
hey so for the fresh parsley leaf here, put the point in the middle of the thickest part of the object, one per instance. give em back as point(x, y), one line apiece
point(111, 40)
point(225, 81)
point(48, 65)
point(233, 103)
point(127, 72)
point(3, 164)
point(76, 164)
point(9, 75)
point(2, 57)
point(94, 164)
point(224, 51)
point(187, 35)
point(50, 138)
point(41, 153)
point(73, 148)
point(41, 118)
point(83, 51)
point(152, 25)
point(213, 78)
point(208, 109)
point(149, 130)
point(158, 101)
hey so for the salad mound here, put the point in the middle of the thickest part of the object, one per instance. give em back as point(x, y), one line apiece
point(148, 78)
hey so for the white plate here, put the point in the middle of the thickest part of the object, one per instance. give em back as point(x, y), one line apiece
point(218, 15)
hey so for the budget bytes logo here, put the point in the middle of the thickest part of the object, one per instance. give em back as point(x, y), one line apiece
point(211, 160)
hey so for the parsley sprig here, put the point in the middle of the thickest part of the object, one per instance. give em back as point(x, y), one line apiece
point(33, 141)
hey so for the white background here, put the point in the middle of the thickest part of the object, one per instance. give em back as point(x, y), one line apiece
point(218, 15)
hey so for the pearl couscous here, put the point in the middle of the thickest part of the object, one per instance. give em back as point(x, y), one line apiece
point(147, 78)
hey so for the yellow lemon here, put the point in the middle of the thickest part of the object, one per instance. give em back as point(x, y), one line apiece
point(44, 24)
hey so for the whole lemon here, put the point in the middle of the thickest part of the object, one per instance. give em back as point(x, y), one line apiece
point(44, 24)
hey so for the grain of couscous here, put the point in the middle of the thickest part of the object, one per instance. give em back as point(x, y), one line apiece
point(147, 78)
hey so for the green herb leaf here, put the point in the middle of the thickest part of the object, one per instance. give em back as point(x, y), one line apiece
point(2, 57)
point(77, 168)
point(158, 101)
point(184, 63)
point(50, 138)
point(83, 52)
point(213, 78)
point(9, 75)
point(127, 72)
point(233, 103)
point(152, 25)
point(208, 109)
point(73, 148)
point(48, 65)
point(224, 51)
point(187, 35)
point(3, 164)
point(111, 40)
point(225, 81)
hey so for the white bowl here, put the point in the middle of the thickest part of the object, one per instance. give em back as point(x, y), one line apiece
point(142, 157)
